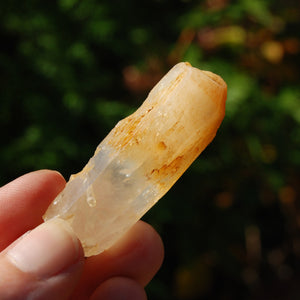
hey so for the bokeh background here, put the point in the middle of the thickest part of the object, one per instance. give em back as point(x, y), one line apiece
point(70, 69)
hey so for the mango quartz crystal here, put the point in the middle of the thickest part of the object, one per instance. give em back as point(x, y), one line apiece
point(142, 157)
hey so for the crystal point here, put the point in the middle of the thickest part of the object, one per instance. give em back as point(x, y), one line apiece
point(142, 157)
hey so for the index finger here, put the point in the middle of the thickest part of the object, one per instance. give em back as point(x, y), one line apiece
point(24, 201)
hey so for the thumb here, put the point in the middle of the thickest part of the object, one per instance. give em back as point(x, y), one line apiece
point(44, 263)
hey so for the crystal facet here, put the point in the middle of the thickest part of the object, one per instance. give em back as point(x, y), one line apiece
point(142, 157)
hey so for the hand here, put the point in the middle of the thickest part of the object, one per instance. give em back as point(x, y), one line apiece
point(45, 260)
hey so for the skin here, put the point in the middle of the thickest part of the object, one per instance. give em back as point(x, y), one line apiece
point(121, 272)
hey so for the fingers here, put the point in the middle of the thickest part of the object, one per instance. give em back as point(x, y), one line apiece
point(45, 263)
point(138, 255)
point(42, 263)
point(23, 202)
point(119, 288)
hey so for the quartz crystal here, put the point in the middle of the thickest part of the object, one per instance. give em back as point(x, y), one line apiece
point(142, 157)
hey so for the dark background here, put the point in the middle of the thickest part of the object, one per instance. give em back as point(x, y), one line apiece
point(70, 69)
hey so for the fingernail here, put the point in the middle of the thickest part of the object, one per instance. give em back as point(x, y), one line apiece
point(47, 250)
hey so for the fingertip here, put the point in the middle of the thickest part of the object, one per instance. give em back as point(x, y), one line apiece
point(39, 183)
point(45, 263)
point(51, 178)
point(141, 246)
point(47, 250)
point(152, 249)
point(137, 255)
point(142, 237)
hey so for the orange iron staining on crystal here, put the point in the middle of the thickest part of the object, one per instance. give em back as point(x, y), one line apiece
point(142, 157)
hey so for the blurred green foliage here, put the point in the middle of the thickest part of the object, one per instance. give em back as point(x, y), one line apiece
point(70, 69)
